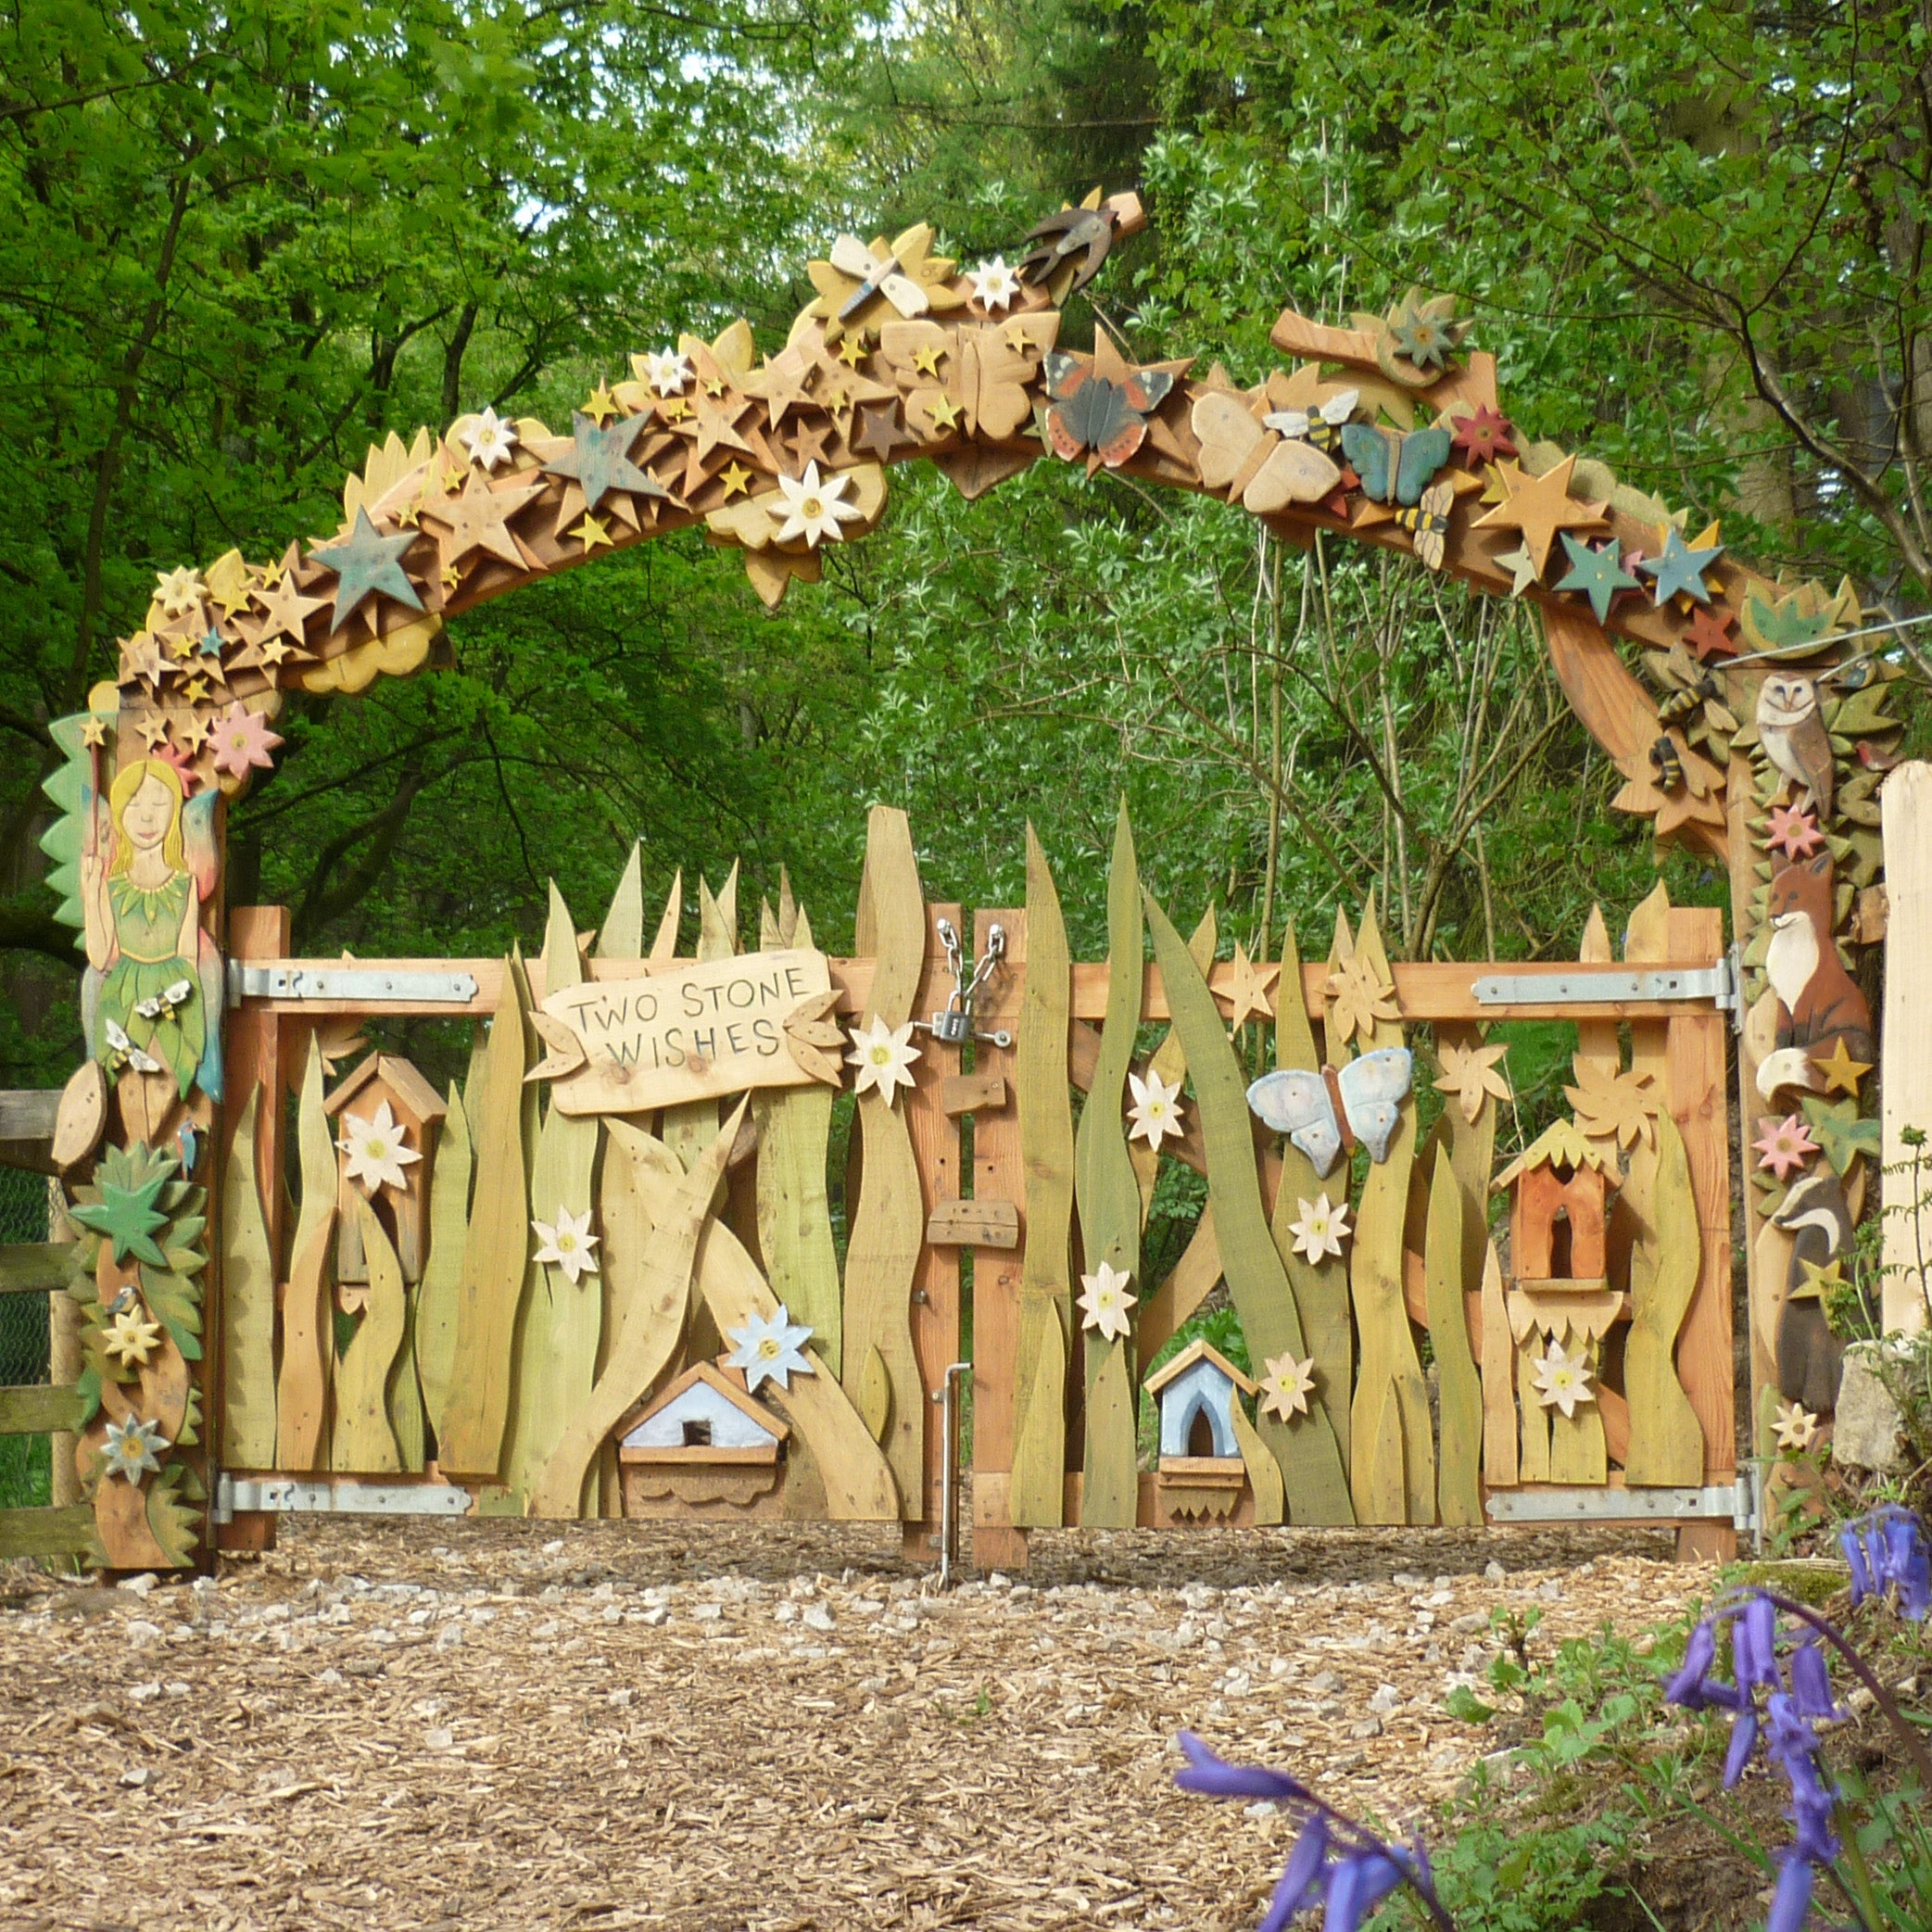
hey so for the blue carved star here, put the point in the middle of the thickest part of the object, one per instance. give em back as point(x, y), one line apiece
point(128, 1218)
point(600, 461)
point(367, 563)
point(1680, 571)
point(1598, 574)
point(211, 642)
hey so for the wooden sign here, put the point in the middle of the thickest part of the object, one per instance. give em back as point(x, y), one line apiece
point(696, 1032)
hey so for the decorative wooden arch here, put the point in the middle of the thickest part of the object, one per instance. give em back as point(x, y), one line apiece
point(1389, 432)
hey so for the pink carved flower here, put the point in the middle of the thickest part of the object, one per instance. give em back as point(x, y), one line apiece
point(241, 740)
point(1784, 1144)
point(1795, 832)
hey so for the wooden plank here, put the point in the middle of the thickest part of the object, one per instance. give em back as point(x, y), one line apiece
point(1041, 1087)
point(439, 1295)
point(1263, 1474)
point(1499, 1442)
point(998, 1173)
point(1665, 1444)
point(1459, 1389)
point(1194, 1278)
point(1905, 1078)
point(308, 1340)
point(362, 1440)
point(973, 1224)
point(37, 1409)
point(247, 1305)
point(35, 1267)
point(890, 1217)
point(62, 1531)
point(1107, 1193)
point(29, 1113)
point(936, 1278)
point(1321, 1287)
point(967, 1093)
point(1306, 1450)
point(257, 1044)
point(1170, 1062)
point(495, 1245)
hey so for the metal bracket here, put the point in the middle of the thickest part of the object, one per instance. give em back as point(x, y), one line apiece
point(290, 1495)
point(365, 985)
point(1597, 986)
point(1728, 1502)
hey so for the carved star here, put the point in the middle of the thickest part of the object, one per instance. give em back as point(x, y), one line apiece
point(882, 433)
point(1539, 506)
point(1247, 992)
point(478, 521)
point(1841, 1072)
point(367, 564)
point(927, 356)
point(780, 385)
point(181, 648)
point(284, 608)
point(808, 441)
point(600, 461)
point(210, 645)
point(673, 409)
point(271, 651)
point(602, 406)
point(944, 412)
point(192, 732)
point(736, 478)
point(195, 690)
point(144, 656)
point(852, 351)
point(450, 577)
point(1016, 337)
point(713, 428)
point(1680, 571)
point(94, 732)
point(590, 533)
point(1822, 1277)
point(1599, 573)
point(1709, 635)
point(1522, 567)
point(129, 1219)
point(153, 730)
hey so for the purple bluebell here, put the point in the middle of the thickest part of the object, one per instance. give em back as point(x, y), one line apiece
point(1218, 1778)
point(1744, 1739)
point(1887, 1551)
point(1754, 1643)
point(1300, 1885)
point(1810, 1683)
point(1792, 1900)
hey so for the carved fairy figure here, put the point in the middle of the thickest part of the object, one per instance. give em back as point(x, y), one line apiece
point(151, 998)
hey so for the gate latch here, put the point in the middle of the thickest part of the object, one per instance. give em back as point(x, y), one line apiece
point(953, 1025)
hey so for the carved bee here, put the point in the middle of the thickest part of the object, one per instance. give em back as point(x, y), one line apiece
point(1668, 764)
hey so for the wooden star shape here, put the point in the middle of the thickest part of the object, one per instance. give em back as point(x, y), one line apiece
point(153, 730)
point(1679, 572)
point(284, 608)
point(210, 644)
point(1709, 635)
point(272, 650)
point(590, 533)
point(1522, 567)
point(129, 1219)
point(882, 433)
point(715, 385)
point(808, 441)
point(598, 460)
point(852, 351)
point(944, 412)
point(673, 409)
point(478, 521)
point(1841, 1072)
point(736, 478)
point(1248, 990)
point(94, 732)
point(192, 732)
point(602, 405)
point(144, 656)
point(1822, 1278)
point(780, 385)
point(1539, 506)
point(927, 356)
point(367, 564)
point(1597, 573)
point(195, 690)
point(712, 427)
point(181, 648)
point(1016, 337)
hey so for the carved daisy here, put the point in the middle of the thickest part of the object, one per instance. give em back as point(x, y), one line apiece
point(884, 1057)
point(567, 1244)
point(1784, 1145)
point(1103, 1301)
point(376, 1149)
point(133, 1448)
point(1287, 1385)
point(770, 1348)
point(1562, 1380)
point(1322, 1229)
point(667, 370)
point(490, 439)
point(1155, 1112)
point(131, 1338)
point(995, 284)
point(1795, 1426)
point(814, 506)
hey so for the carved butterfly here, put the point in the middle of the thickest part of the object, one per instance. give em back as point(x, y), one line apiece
point(125, 1053)
point(163, 1004)
point(1321, 426)
point(851, 257)
point(1095, 414)
point(1429, 522)
point(1300, 1105)
point(1394, 468)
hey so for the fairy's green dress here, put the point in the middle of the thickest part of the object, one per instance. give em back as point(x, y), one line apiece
point(147, 926)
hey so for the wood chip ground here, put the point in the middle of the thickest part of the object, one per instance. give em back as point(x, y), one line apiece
point(491, 1724)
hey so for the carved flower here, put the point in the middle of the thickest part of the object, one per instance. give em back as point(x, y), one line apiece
point(995, 284)
point(1613, 1106)
point(490, 439)
point(814, 506)
point(131, 1338)
point(1472, 1073)
point(1562, 1380)
point(1103, 1301)
point(376, 1149)
point(1322, 1229)
point(567, 1244)
point(884, 1056)
point(1795, 1426)
point(770, 1348)
point(242, 739)
point(1287, 1385)
point(1360, 996)
point(134, 1447)
point(1155, 1112)
point(667, 370)
point(1784, 1145)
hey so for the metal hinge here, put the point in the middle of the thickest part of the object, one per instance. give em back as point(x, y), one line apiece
point(285, 1495)
point(1725, 1502)
point(1601, 985)
point(364, 985)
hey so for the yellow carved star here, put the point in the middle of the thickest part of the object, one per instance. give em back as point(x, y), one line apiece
point(602, 405)
point(180, 649)
point(94, 732)
point(673, 409)
point(1821, 1277)
point(736, 479)
point(1248, 989)
point(927, 356)
point(590, 533)
point(271, 651)
point(153, 730)
point(852, 351)
point(452, 577)
point(945, 412)
point(192, 733)
point(195, 690)
point(715, 388)
point(1841, 1072)
point(1017, 338)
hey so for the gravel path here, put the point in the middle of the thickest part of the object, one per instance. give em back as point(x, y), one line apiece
point(487, 1724)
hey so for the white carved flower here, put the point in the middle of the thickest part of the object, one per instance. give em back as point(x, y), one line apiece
point(1562, 1380)
point(814, 506)
point(376, 1149)
point(131, 1338)
point(1322, 1229)
point(883, 1057)
point(490, 439)
point(770, 1348)
point(567, 1245)
point(994, 284)
point(1287, 1385)
point(667, 370)
point(1796, 1426)
point(1155, 1112)
point(133, 1448)
point(1104, 1301)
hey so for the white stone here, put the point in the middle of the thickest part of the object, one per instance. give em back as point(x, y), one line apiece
point(142, 1585)
point(1866, 1427)
point(1385, 1700)
point(141, 1693)
point(140, 1631)
point(818, 1616)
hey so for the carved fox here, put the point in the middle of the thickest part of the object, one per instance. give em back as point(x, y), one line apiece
point(1818, 1003)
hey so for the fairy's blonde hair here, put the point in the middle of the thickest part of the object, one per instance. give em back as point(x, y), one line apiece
point(127, 782)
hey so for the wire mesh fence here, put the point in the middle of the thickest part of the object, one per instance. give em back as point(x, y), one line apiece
point(23, 1318)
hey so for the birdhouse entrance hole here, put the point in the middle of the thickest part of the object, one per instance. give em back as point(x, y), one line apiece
point(1559, 1244)
point(1200, 1434)
point(697, 1432)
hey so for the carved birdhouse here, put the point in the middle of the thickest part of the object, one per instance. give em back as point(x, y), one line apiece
point(1201, 1473)
point(1559, 1208)
point(386, 1117)
point(702, 1444)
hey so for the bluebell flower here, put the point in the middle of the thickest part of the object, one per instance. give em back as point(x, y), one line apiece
point(1887, 1551)
point(1810, 1683)
point(1792, 1900)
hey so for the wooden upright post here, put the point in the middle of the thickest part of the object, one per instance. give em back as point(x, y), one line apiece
point(1905, 1078)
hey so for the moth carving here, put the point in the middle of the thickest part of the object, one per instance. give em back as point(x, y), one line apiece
point(1321, 1111)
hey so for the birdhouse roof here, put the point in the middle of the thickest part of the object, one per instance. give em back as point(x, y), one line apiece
point(1199, 1350)
point(713, 1378)
point(1561, 1145)
point(413, 1096)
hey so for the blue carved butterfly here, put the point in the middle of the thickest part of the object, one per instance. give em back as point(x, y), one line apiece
point(1299, 1104)
point(1394, 468)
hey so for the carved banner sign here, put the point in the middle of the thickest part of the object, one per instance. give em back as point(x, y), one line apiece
point(696, 1032)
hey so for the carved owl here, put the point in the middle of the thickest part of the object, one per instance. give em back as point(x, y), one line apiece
point(1791, 728)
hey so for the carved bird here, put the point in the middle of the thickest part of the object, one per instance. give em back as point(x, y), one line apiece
point(1791, 728)
point(1062, 236)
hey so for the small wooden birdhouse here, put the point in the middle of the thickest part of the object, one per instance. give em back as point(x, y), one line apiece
point(1201, 1471)
point(386, 1119)
point(702, 1445)
point(1558, 1209)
